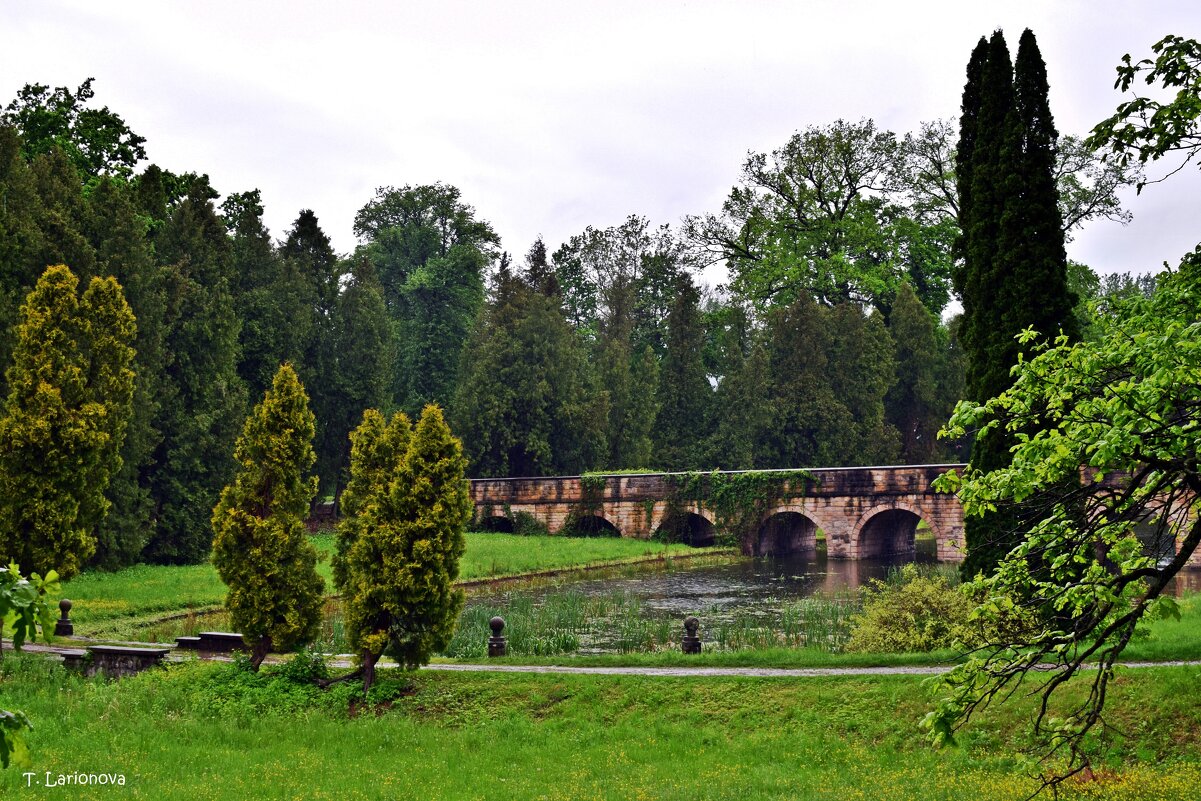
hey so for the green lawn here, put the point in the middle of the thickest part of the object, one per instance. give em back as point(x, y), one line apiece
point(146, 591)
point(203, 731)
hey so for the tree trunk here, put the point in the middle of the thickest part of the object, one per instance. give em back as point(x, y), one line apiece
point(369, 660)
point(259, 651)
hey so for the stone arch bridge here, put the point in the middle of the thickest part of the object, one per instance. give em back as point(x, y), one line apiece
point(863, 511)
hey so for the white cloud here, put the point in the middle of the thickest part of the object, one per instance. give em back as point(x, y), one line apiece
point(550, 116)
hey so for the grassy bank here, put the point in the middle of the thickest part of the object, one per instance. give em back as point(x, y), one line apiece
point(203, 731)
point(146, 591)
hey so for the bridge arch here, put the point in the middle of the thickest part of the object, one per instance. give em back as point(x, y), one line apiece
point(497, 523)
point(785, 532)
point(593, 525)
point(690, 528)
point(890, 529)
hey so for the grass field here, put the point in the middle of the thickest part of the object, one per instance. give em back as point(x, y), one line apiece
point(145, 591)
point(205, 731)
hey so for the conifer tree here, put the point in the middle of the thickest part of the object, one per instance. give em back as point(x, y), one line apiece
point(260, 545)
point(119, 235)
point(20, 239)
point(809, 425)
point(860, 369)
point(913, 404)
point(269, 297)
point(309, 259)
point(399, 565)
point(362, 338)
point(377, 447)
point(523, 407)
point(741, 409)
point(684, 392)
point(635, 434)
point(204, 401)
point(1014, 272)
point(70, 389)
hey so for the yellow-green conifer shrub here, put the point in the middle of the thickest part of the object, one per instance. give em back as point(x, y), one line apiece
point(377, 448)
point(260, 546)
point(64, 421)
point(400, 567)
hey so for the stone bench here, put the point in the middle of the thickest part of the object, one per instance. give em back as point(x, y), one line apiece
point(212, 642)
point(74, 658)
point(117, 660)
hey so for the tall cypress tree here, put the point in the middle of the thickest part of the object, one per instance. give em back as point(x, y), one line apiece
point(118, 233)
point(684, 392)
point(1014, 273)
point(309, 259)
point(201, 410)
point(913, 404)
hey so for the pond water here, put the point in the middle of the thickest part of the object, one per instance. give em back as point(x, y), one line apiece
point(742, 603)
point(747, 603)
point(684, 588)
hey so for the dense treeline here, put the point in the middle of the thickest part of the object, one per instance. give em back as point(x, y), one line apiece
point(827, 347)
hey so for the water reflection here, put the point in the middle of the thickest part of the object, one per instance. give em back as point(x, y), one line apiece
point(742, 585)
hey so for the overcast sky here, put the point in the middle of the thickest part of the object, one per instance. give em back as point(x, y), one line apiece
point(551, 116)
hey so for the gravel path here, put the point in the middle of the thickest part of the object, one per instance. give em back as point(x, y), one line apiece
point(765, 673)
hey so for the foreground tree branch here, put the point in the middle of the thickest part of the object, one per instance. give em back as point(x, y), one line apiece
point(1117, 424)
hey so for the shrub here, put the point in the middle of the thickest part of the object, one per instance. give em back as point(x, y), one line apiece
point(400, 555)
point(260, 545)
point(527, 525)
point(911, 611)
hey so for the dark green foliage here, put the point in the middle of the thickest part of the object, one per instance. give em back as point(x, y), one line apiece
point(429, 252)
point(97, 141)
point(118, 235)
point(62, 215)
point(1014, 273)
point(70, 389)
point(311, 269)
point(914, 405)
point(20, 238)
point(363, 339)
point(260, 546)
point(861, 368)
point(201, 412)
point(523, 406)
point(808, 426)
point(398, 562)
point(741, 409)
point(685, 395)
point(270, 296)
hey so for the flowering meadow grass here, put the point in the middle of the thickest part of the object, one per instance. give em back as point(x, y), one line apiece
point(205, 731)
